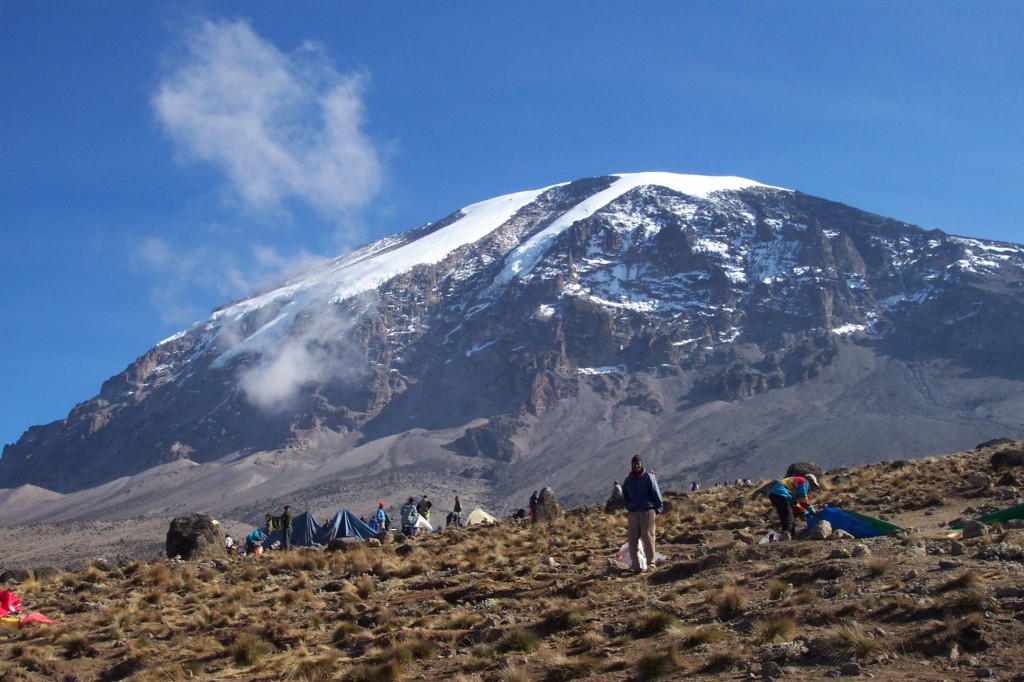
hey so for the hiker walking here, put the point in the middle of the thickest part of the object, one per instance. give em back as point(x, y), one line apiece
point(286, 528)
point(533, 503)
point(409, 515)
point(643, 501)
point(790, 495)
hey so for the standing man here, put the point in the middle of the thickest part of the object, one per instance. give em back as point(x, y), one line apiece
point(643, 502)
point(286, 528)
point(533, 503)
point(423, 507)
point(457, 512)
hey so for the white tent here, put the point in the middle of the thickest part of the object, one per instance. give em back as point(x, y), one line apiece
point(478, 515)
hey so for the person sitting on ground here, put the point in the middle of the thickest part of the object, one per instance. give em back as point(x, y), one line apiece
point(409, 516)
point(615, 501)
point(789, 496)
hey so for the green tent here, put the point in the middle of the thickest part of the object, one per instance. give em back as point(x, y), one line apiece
point(998, 516)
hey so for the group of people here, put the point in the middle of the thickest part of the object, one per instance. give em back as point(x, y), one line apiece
point(640, 495)
point(412, 511)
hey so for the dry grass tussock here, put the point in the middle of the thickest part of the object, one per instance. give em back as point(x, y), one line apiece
point(513, 602)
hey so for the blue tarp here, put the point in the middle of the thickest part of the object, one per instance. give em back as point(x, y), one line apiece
point(841, 520)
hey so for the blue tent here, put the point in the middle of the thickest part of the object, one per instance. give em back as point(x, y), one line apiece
point(344, 524)
point(305, 531)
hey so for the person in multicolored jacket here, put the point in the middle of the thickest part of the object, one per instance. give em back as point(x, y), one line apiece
point(791, 495)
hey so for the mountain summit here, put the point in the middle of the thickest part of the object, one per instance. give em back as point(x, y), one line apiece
point(722, 327)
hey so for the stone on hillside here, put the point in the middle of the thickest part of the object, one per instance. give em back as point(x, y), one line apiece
point(1005, 459)
point(195, 536)
point(343, 544)
point(974, 529)
point(822, 529)
point(979, 480)
point(15, 575)
point(804, 468)
point(547, 511)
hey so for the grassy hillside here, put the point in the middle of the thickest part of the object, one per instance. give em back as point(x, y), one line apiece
point(518, 601)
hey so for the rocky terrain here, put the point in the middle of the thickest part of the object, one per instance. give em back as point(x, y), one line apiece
point(547, 601)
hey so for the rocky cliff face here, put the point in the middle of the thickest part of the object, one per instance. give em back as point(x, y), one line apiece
point(602, 314)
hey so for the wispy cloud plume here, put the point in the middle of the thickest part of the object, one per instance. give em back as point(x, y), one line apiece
point(279, 125)
point(315, 353)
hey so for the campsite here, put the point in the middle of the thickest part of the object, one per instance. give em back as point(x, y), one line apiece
point(513, 600)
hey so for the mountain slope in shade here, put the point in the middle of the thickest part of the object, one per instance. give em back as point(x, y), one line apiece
point(719, 326)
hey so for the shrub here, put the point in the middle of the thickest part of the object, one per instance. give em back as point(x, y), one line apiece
point(522, 641)
point(730, 603)
point(774, 630)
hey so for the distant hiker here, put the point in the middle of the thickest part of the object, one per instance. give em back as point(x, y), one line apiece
point(409, 515)
point(423, 507)
point(457, 512)
point(286, 528)
point(381, 518)
point(790, 495)
point(694, 487)
point(533, 503)
point(615, 501)
point(643, 501)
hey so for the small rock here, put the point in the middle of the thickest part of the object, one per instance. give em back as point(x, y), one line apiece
point(946, 564)
point(860, 549)
point(771, 670)
point(850, 670)
point(982, 673)
point(957, 548)
point(974, 529)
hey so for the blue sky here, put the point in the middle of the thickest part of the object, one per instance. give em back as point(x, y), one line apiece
point(158, 160)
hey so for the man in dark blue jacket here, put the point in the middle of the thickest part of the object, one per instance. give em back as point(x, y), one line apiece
point(643, 502)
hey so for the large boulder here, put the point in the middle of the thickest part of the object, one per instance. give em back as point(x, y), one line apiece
point(195, 536)
point(547, 510)
point(1007, 458)
point(804, 468)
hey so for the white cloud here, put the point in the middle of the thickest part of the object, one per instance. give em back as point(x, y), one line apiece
point(315, 354)
point(279, 125)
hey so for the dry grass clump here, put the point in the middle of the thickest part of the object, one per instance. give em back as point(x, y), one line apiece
point(561, 668)
point(730, 603)
point(519, 640)
point(247, 649)
point(848, 643)
point(652, 622)
point(692, 637)
point(774, 630)
point(304, 665)
point(965, 580)
point(656, 664)
point(879, 566)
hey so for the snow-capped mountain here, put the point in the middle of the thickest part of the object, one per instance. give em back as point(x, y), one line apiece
point(720, 326)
